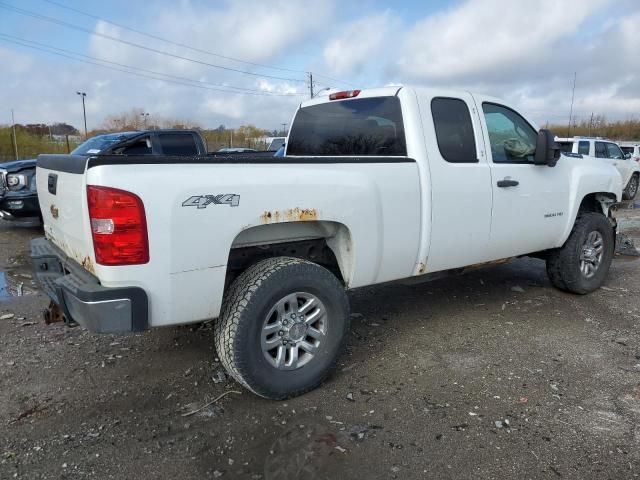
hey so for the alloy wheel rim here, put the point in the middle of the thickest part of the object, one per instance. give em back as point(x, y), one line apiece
point(591, 254)
point(294, 330)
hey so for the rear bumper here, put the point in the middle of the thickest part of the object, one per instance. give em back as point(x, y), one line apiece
point(81, 297)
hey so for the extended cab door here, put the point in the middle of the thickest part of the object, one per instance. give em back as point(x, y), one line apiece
point(529, 201)
point(460, 182)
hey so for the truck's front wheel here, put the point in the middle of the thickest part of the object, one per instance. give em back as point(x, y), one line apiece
point(582, 264)
point(283, 327)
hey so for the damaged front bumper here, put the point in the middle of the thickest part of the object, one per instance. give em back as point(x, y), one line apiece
point(81, 297)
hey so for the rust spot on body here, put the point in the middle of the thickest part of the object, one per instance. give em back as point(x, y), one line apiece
point(290, 215)
point(487, 264)
point(422, 268)
point(87, 264)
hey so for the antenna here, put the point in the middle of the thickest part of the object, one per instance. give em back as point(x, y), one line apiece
point(573, 93)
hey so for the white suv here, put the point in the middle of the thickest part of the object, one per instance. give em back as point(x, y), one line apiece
point(608, 151)
point(632, 149)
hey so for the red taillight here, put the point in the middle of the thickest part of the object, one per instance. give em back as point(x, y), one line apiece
point(345, 94)
point(118, 226)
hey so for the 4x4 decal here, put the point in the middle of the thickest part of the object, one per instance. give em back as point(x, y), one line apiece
point(203, 201)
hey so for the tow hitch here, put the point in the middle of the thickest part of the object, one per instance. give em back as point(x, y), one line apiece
point(52, 314)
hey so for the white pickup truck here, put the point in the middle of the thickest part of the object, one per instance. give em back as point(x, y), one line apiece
point(377, 185)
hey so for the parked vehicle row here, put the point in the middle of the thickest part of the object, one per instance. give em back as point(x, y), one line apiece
point(368, 191)
point(610, 152)
point(18, 195)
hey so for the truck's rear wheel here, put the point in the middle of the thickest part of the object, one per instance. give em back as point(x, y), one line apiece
point(283, 326)
point(582, 264)
point(631, 189)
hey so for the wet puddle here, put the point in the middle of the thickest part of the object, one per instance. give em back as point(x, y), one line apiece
point(17, 280)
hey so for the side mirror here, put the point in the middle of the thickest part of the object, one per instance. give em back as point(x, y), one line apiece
point(547, 151)
point(627, 156)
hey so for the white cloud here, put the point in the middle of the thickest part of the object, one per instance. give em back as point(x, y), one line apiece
point(482, 37)
point(360, 43)
point(525, 51)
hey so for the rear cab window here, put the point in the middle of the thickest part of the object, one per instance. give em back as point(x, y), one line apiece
point(357, 127)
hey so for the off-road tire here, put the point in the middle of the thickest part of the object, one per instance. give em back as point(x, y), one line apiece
point(246, 305)
point(631, 190)
point(563, 264)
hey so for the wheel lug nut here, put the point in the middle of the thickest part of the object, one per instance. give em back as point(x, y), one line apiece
point(293, 315)
point(285, 321)
point(281, 332)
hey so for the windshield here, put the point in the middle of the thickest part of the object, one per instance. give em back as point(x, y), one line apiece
point(275, 144)
point(101, 142)
point(565, 146)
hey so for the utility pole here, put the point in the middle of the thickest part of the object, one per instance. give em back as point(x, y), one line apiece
point(84, 112)
point(573, 93)
point(284, 129)
point(310, 74)
point(145, 116)
point(590, 123)
point(15, 139)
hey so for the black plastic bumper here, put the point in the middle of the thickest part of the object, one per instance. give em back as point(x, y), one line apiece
point(17, 206)
point(81, 297)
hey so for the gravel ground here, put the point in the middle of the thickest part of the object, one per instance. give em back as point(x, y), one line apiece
point(491, 375)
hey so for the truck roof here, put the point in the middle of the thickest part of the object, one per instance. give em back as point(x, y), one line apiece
point(364, 93)
point(395, 90)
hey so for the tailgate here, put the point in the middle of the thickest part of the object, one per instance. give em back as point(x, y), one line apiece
point(62, 194)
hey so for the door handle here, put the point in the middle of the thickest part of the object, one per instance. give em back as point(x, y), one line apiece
point(508, 183)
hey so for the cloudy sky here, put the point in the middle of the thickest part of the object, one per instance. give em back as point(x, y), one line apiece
point(235, 62)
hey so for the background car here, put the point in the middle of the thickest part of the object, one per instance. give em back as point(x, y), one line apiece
point(632, 149)
point(608, 151)
point(18, 195)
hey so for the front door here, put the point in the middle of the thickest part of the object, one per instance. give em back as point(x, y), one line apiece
point(618, 160)
point(529, 201)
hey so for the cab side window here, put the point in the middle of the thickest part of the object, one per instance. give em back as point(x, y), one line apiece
point(614, 151)
point(141, 146)
point(177, 144)
point(601, 150)
point(583, 148)
point(454, 130)
point(512, 138)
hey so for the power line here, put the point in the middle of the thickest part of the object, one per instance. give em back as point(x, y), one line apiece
point(335, 80)
point(175, 77)
point(137, 45)
point(136, 73)
point(178, 44)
